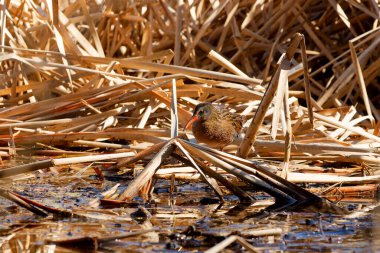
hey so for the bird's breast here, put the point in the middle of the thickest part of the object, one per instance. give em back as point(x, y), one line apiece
point(214, 134)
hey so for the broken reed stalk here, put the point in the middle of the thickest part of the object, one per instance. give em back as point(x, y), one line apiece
point(288, 133)
point(278, 109)
point(183, 114)
point(59, 161)
point(16, 198)
point(241, 194)
point(202, 30)
point(148, 172)
point(249, 178)
point(174, 111)
point(93, 243)
point(45, 208)
point(266, 101)
point(339, 124)
point(225, 63)
point(228, 241)
point(258, 119)
point(331, 179)
point(305, 66)
point(360, 80)
point(92, 158)
point(166, 150)
point(62, 138)
point(315, 148)
point(178, 29)
point(347, 75)
point(352, 190)
point(26, 168)
point(187, 71)
point(333, 158)
point(138, 156)
point(213, 185)
point(260, 170)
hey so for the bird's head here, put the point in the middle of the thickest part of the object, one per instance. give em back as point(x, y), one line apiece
point(202, 111)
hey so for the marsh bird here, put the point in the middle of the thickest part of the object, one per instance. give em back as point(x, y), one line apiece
point(216, 128)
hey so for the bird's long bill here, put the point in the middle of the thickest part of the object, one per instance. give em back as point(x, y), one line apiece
point(190, 122)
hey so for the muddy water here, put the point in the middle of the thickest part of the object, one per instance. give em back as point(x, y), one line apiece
point(187, 220)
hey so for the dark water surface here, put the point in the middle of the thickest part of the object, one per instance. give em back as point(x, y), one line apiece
point(188, 220)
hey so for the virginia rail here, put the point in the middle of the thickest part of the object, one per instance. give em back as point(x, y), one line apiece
point(216, 128)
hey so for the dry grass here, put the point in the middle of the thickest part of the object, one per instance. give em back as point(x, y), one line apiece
point(86, 75)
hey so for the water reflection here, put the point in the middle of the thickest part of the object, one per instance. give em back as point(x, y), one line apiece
point(186, 220)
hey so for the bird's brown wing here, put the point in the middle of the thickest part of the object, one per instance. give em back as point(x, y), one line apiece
point(236, 119)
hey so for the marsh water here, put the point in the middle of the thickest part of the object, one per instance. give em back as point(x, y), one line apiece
point(189, 219)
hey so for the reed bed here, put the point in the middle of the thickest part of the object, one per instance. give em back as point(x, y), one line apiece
point(118, 80)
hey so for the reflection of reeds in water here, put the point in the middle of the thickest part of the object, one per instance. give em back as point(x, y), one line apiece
point(376, 230)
